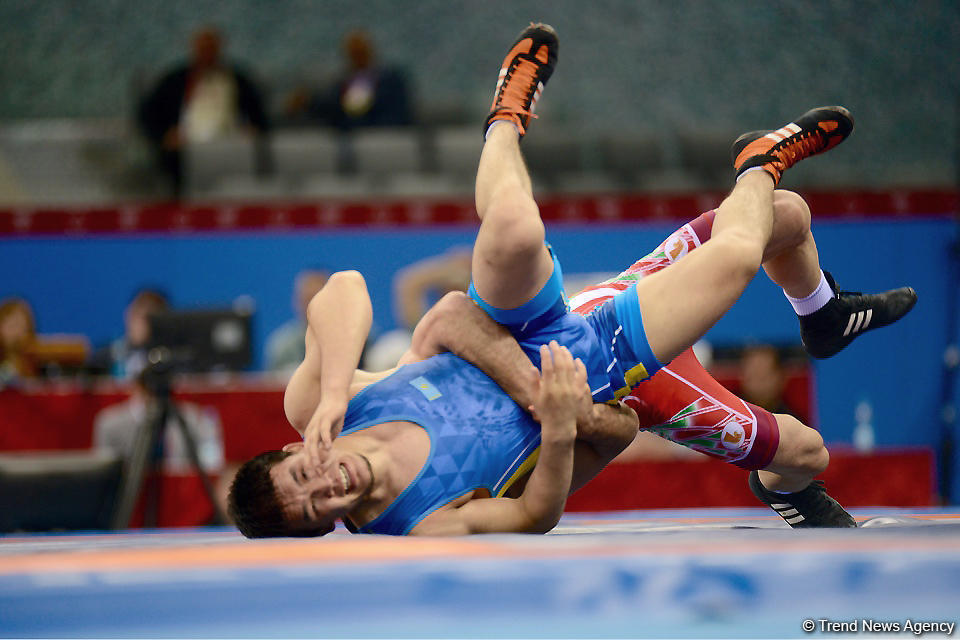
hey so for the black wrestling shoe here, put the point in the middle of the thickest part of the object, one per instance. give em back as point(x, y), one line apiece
point(809, 508)
point(524, 72)
point(828, 330)
point(814, 132)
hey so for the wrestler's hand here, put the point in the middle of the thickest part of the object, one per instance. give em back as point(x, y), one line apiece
point(563, 393)
point(324, 426)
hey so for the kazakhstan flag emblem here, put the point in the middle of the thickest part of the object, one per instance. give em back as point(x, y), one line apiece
point(425, 387)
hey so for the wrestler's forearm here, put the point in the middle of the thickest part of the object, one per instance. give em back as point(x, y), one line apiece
point(339, 319)
point(608, 429)
point(457, 325)
point(545, 494)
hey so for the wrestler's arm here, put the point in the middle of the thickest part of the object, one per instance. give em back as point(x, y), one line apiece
point(338, 322)
point(458, 325)
point(562, 395)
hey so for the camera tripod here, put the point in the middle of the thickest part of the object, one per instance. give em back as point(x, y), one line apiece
point(147, 455)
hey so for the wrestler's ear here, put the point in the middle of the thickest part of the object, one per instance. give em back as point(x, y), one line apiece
point(292, 447)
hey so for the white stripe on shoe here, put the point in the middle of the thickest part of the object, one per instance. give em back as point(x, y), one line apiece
point(859, 321)
point(856, 327)
point(853, 317)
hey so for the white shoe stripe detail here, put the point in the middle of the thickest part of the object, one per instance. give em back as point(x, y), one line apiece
point(793, 127)
point(789, 513)
point(850, 324)
point(780, 506)
point(773, 135)
point(856, 327)
point(795, 520)
point(866, 321)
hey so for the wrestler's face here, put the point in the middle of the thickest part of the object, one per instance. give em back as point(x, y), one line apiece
point(316, 497)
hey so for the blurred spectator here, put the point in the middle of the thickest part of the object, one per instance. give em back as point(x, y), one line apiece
point(366, 94)
point(115, 429)
point(126, 356)
point(17, 339)
point(762, 378)
point(200, 100)
point(285, 344)
point(416, 288)
point(26, 354)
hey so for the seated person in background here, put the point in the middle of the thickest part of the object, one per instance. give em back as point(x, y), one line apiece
point(762, 379)
point(25, 354)
point(199, 101)
point(416, 288)
point(115, 429)
point(285, 344)
point(126, 356)
point(17, 338)
point(366, 94)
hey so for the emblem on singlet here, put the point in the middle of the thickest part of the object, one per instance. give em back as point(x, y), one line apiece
point(425, 387)
point(732, 437)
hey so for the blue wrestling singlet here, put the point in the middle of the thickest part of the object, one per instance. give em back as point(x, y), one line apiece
point(479, 437)
point(610, 340)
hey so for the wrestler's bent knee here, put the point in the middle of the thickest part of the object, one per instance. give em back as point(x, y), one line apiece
point(517, 237)
point(792, 215)
point(810, 456)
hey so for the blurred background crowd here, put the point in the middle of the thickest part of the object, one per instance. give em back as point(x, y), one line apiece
point(123, 106)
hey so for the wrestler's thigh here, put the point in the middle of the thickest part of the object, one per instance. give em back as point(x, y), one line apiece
point(680, 303)
point(507, 270)
point(685, 404)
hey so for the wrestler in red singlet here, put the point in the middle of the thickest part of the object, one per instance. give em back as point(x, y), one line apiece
point(682, 402)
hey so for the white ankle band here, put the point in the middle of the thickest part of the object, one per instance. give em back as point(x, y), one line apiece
point(815, 301)
point(748, 171)
point(496, 122)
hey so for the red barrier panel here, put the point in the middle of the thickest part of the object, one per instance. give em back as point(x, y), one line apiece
point(902, 477)
point(615, 209)
point(50, 417)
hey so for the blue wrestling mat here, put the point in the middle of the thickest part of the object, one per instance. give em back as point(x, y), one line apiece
point(653, 574)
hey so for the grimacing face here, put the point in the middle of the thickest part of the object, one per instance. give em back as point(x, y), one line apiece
point(315, 498)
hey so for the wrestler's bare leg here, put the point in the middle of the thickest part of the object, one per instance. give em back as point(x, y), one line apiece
point(800, 457)
point(795, 266)
point(680, 303)
point(510, 261)
point(791, 259)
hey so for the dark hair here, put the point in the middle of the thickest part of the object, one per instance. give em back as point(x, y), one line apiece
point(253, 504)
point(154, 297)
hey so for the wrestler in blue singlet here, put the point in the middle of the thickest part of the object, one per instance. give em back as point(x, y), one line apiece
point(610, 340)
point(479, 437)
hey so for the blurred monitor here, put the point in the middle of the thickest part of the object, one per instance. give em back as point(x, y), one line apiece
point(204, 339)
point(53, 491)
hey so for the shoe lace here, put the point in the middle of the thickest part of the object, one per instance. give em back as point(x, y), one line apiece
point(818, 503)
point(805, 144)
point(518, 91)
